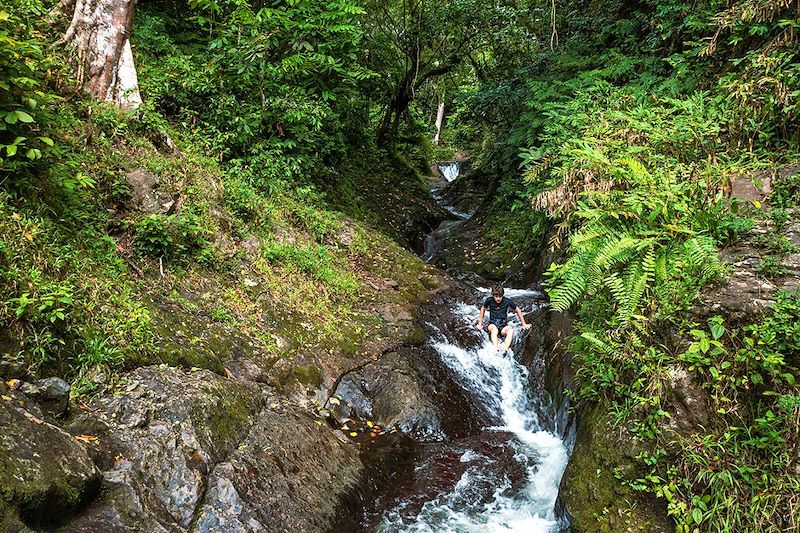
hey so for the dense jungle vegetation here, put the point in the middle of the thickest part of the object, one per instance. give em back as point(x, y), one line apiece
point(611, 129)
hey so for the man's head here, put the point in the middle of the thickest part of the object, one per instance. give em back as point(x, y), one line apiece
point(497, 293)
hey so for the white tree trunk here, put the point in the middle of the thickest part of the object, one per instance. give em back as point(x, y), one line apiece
point(99, 36)
point(125, 89)
point(439, 120)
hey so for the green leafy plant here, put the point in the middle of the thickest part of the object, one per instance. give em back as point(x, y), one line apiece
point(172, 236)
point(22, 92)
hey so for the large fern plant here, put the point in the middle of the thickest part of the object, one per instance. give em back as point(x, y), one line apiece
point(636, 242)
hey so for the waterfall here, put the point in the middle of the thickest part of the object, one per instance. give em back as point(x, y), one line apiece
point(484, 500)
point(450, 170)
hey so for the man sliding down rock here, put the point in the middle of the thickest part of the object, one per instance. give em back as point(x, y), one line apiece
point(499, 306)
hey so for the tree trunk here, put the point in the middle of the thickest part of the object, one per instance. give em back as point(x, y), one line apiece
point(387, 131)
point(99, 36)
point(439, 120)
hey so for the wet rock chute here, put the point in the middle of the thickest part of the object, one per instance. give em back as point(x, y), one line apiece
point(506, 477)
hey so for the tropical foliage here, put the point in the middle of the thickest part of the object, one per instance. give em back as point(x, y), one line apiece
point(616, 124)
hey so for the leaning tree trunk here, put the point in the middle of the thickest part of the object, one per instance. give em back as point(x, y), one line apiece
point(439, 120)
point(99, 37)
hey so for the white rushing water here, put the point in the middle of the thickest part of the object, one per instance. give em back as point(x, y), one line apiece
point(450, 170)
point(499, 382)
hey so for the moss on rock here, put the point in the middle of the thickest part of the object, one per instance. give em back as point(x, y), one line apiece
point(45, 474)
point(308, 375)
point(227, 415)
point(595, 499)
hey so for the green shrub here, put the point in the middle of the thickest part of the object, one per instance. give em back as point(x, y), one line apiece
point(170, 236)
point(316, 261)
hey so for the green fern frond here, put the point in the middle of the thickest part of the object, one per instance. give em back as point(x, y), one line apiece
point(599, 344)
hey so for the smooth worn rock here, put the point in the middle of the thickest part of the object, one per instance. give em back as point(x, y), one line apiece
point(52, 394)
point(45, 474)
point(194, 451)
point(389, 393)
point(289, 474)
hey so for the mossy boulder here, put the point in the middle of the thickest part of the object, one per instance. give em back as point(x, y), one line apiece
point(197, 451)
point(45, 474)
point(592, 495)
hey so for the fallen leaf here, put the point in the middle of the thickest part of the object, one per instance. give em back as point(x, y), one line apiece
point(345, 427)
point(83, 407)
point(354, 434)
point(13, 384)
point(88, 439)
point(6, 398)
point(274, 405)
point(16, 216)
point(369, 423)
point(333, 400)
point(28, 235)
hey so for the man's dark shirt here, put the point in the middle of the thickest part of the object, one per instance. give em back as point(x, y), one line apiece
point(498, 312)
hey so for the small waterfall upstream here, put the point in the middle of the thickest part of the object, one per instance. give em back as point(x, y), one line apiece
point(450, 170)
point(491, 495)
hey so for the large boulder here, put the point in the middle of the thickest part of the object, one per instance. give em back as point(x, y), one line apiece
point(289, 474)
point(199, 452)
point(389, 392)
point(46, 475)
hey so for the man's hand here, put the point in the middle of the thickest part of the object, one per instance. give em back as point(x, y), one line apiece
point(478, 324)
point(526, 327)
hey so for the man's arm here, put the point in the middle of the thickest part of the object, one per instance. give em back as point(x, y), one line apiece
point(479, 322)
point(525, 325)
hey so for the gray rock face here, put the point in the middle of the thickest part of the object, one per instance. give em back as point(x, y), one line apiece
point(748, 290)
point(144, 184)
point(389, 393)
point(193, 451)
point(688, 404)
point(290, 474)
point(52, 394)
point(45, 474)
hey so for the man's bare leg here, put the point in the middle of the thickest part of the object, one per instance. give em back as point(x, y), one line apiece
point(493, 335)
point(508, 331)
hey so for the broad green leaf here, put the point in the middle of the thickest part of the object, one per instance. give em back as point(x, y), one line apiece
point(24, 117)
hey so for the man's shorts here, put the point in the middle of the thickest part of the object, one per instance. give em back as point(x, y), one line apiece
point(500, 325)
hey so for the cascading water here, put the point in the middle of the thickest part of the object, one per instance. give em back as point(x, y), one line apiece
point(486, 498)
point(450, 170)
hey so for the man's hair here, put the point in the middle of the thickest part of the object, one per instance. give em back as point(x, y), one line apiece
point(497, 290)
